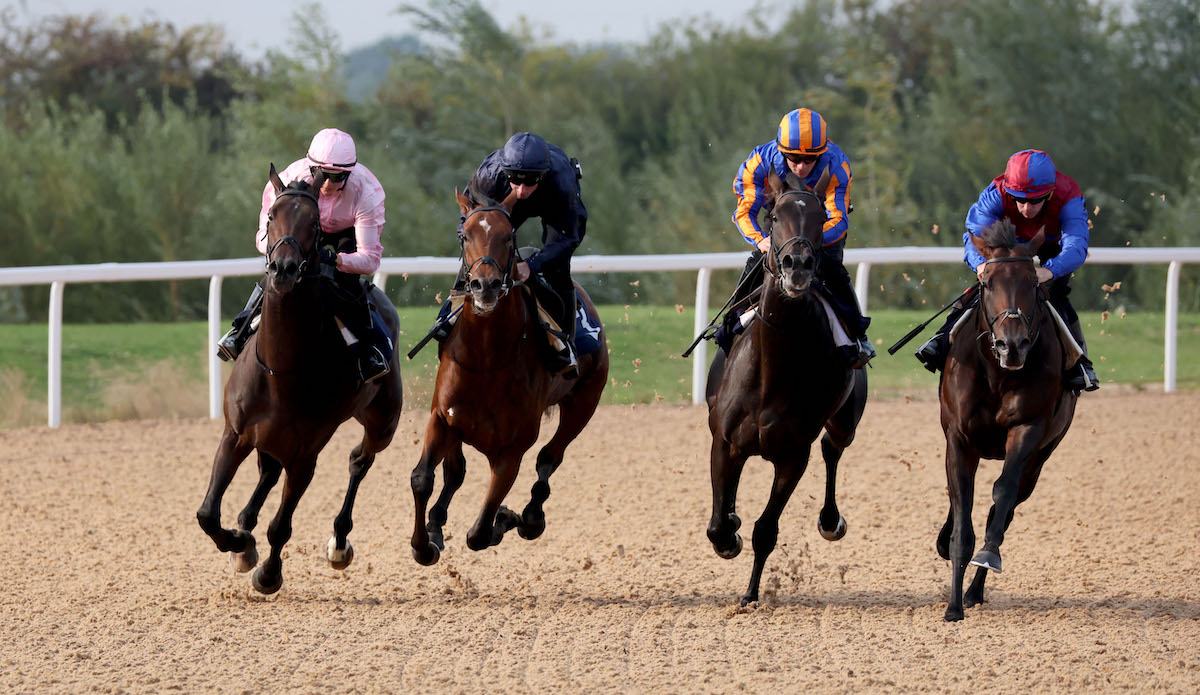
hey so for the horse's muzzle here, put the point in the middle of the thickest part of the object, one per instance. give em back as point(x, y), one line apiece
point(283, 273)
point(486, 294)
point(1011, 351)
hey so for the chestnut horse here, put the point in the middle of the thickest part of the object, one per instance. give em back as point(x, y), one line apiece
point(291, 387)
point(1002, 397)
point(492, 389)
point(784, 381)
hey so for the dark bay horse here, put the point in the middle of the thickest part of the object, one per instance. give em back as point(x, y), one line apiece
point(1002, 397)
point(291, 387)
point(492, 390)
point(784, 381)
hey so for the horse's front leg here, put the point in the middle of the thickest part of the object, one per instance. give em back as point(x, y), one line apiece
point(454, 469)
point(269, 469)
point(439, 444)
point(961, 464)
point(1022, 441)
point(339, 551)
point(230, 453)
point(1029, 478)
point(269, 577)
point(830, 522)
point(725, 470)
point(494, 520)
point(766, 530)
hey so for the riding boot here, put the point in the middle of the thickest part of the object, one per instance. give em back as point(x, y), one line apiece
point(1082, 376)
point(371, 362)
point(230, 345)
point(933, 353)
point(734, 321)
point(841, 290)
point(565, 362)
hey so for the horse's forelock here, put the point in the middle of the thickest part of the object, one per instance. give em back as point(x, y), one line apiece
point(1001, 234)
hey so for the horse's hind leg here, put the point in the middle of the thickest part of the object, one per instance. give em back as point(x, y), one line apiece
point(839, 434)
point(379, 425)
point(574, 413)
point(230, 453)
point(725, 470)
point(454, 469)
point(766, 529)
point(1029, 477)
point(494, 520)
point(269, 576)
point(1018, 457)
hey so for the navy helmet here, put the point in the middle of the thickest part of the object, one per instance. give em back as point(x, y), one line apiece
point(525, 153)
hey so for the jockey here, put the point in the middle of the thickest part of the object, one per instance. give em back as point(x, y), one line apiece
point(801, 147)
point(352, 217)
point(546, 182)
point(1033, 195)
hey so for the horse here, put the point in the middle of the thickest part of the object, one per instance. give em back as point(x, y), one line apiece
point(291, 387)
point(1003, 399)
point(492, 389)
point(783, 382)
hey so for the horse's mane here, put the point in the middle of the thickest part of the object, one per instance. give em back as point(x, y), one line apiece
point(1000, 234)
point(299, 185)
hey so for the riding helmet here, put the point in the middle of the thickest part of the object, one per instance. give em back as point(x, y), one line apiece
point(332, 149)
point(802, 131)
point(1029, 174)
point(525, 152)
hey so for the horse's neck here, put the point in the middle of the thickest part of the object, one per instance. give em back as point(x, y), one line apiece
point(491, 342)
point(800, 323)
point(289, 329)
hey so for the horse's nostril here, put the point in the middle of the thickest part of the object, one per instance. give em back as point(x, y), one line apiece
point(475, 285)
point(494, 285)
point(809, 263)
point(787, 262)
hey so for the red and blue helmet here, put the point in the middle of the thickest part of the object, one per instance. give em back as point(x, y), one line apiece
point(802, 131)
point(1029, 174)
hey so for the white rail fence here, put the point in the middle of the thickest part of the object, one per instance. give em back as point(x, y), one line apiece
point(59, 276)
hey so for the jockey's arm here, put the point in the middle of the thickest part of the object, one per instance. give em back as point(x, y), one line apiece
point(747, 186)
point(1073, 219)
point(983, 213)
point(837, 193)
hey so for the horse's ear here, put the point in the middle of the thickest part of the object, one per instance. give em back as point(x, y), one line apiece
point(775, 185)
point(982, 246)
point(318, 182)
point(273, 177)
point(464, 203)
point(510, 201)
point(1036, 242)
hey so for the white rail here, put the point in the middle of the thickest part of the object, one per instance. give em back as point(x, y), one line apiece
point(59, 276)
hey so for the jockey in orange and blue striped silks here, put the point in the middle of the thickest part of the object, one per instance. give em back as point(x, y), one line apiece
point(801, 147)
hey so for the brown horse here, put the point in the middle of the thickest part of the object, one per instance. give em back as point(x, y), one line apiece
point(784, 381)
point(492, 390)
point(291, 387)
point(1002, 397)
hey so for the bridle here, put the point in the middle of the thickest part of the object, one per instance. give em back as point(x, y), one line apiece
point(1030, 320)
point(290, 240)
point(771, 261)
point(506, 281)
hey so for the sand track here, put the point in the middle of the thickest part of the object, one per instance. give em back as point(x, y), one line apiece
point(112, 587)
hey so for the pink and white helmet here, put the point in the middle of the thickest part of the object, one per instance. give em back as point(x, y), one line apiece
point(332, 149)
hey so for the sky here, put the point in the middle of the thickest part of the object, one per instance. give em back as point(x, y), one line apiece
point(253, 26)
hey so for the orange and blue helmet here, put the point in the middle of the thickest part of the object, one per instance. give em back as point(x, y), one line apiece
point(802, 131)
point(1029, 174)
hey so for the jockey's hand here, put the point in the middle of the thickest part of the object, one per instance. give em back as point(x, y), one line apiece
point(327, 255)
point(764, 245)
point(1044, 275)
point(979, 271)
point(521, 273)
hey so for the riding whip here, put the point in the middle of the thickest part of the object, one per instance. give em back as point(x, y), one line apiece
point(913, 333)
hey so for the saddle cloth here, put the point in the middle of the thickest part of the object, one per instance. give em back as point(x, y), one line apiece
point(1071, 350)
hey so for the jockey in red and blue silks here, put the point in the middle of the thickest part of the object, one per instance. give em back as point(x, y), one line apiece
point(1033, 195)
point(351, 207)
point(802, 148)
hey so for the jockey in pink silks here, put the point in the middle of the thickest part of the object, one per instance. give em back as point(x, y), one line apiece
point(352, 216)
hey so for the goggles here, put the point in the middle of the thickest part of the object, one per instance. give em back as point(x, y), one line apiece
point(334, 175)
point(524, 178)
point(802, 158)
point(1031, 201)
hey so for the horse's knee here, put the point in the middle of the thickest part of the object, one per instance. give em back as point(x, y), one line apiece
point(766, 533)
point(210, 522)
point(422, 481)
point(479, 538)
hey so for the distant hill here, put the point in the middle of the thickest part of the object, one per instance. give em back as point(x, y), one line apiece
point(366, 67)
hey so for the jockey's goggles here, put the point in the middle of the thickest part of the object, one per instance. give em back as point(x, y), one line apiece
point(334, 175)
point(1032, 201)
point(524, 178)
point(801, 158)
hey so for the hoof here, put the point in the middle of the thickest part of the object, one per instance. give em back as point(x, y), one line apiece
point(428, 556)
point(436, 537)
point(263, 587)
point(339, 559)
point(732, 551)
point(987, 560)
point(953, 615)
point(837, 533)
point(531, 529)
point(748, 599)
point(971, 599)
point(245, 560)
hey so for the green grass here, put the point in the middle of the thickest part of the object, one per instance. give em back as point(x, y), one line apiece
point(645, 344)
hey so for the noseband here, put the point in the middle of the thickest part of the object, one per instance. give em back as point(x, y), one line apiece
point(772, 262)
point(291, 240)
point(1010, 313)
point(506, 281)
